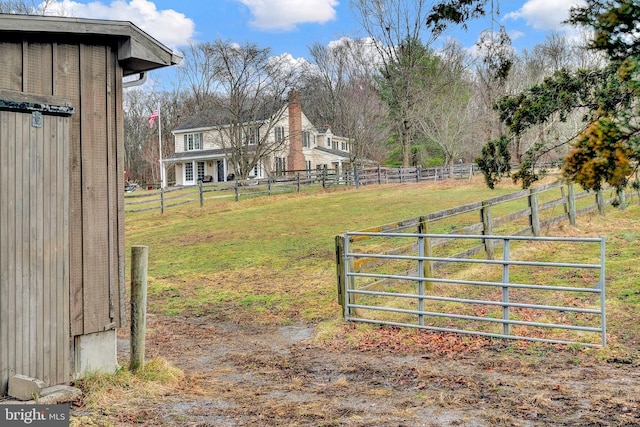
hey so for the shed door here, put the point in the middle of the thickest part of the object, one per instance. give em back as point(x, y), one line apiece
point(34, 246)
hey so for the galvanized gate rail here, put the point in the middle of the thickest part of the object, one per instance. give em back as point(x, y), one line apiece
point(352, 296)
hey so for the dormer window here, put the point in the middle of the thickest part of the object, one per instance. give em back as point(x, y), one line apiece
point(192, 141)
point(328, 142)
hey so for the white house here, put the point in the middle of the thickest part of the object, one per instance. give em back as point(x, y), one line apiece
point(201, 153)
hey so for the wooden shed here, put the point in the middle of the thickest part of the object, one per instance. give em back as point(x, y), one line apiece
point(61, 190)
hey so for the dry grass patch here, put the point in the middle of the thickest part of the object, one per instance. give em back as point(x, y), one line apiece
point(124, 393)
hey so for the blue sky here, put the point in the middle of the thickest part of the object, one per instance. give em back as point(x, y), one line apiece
point(291, 26)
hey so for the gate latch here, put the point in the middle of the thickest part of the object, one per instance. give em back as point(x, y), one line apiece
point(36, 119)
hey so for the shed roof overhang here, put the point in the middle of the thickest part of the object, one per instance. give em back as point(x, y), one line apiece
point(137, 51)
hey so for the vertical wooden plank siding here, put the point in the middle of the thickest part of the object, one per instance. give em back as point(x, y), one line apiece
point(115, 171)
point(61, 206)
point(120, 242)
point(91, 78)
point(95, 211)
point(5, 247)
point(62, 246)
point(12, 256)
point(67, 77)
point(110, 62)
point(38, 72)
point(11, 75)
point(33, 332)
point(22, 233)
point(48, 290)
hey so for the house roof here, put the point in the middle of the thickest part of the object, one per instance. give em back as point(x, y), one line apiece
point(211, 118)
point(137, 51)
point(199, 154)
point(201, 120)
point(337, 153)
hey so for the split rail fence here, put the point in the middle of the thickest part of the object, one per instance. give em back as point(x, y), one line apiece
point(425, 271)
point(162, 199)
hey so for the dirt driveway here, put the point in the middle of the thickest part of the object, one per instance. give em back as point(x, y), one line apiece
point(247, 375)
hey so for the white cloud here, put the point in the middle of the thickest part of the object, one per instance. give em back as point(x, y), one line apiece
point(545, 14)
point(171, 28)
point(516, 34)
point(284, 15)
point(365, 47)
point(288, 59)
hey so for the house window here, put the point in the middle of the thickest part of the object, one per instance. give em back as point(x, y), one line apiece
point(279, 134)
point(335, 145)
point(281, 165)
point(188, 172)
point(192, 141)
point(344, 146)
point(306, 139)
point(328, 142)
point(251, 136)
point(308, 165)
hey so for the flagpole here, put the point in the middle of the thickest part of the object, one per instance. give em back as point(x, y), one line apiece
point(162, 179)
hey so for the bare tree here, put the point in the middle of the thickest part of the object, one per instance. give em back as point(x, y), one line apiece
point(137, 135)
point(141, 142)
point(244, 91)
point(197, 78)
point(446, 118)
point(340, 91)
point(399, 32)
point(24, 7)
point(558, 52)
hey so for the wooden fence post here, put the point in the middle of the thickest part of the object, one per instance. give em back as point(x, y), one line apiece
point(571, 198)
point(161, 200)
point(379, 175)
point(298, 181)
point(237, 190)
point(200, 193)
point(622, 198)
point(139, 266)
point(600, 201)
point(534, 216)
point(356, 177)
point(340, 271)
point(487, 229)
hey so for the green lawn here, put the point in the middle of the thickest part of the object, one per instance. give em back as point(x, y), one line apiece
point(272, 259)
point(272, 256)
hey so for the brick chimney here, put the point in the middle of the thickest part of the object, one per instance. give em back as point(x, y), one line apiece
point(295, 159)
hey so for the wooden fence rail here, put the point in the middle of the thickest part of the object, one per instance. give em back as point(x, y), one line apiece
point(154, 198)
point(526, 212)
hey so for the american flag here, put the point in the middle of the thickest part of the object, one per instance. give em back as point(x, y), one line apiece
point(153, 117)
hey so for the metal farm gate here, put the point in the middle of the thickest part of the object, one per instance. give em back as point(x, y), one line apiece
point(34, 241)
point(549, 289)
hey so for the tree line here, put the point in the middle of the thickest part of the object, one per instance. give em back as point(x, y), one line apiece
point(406, 95)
